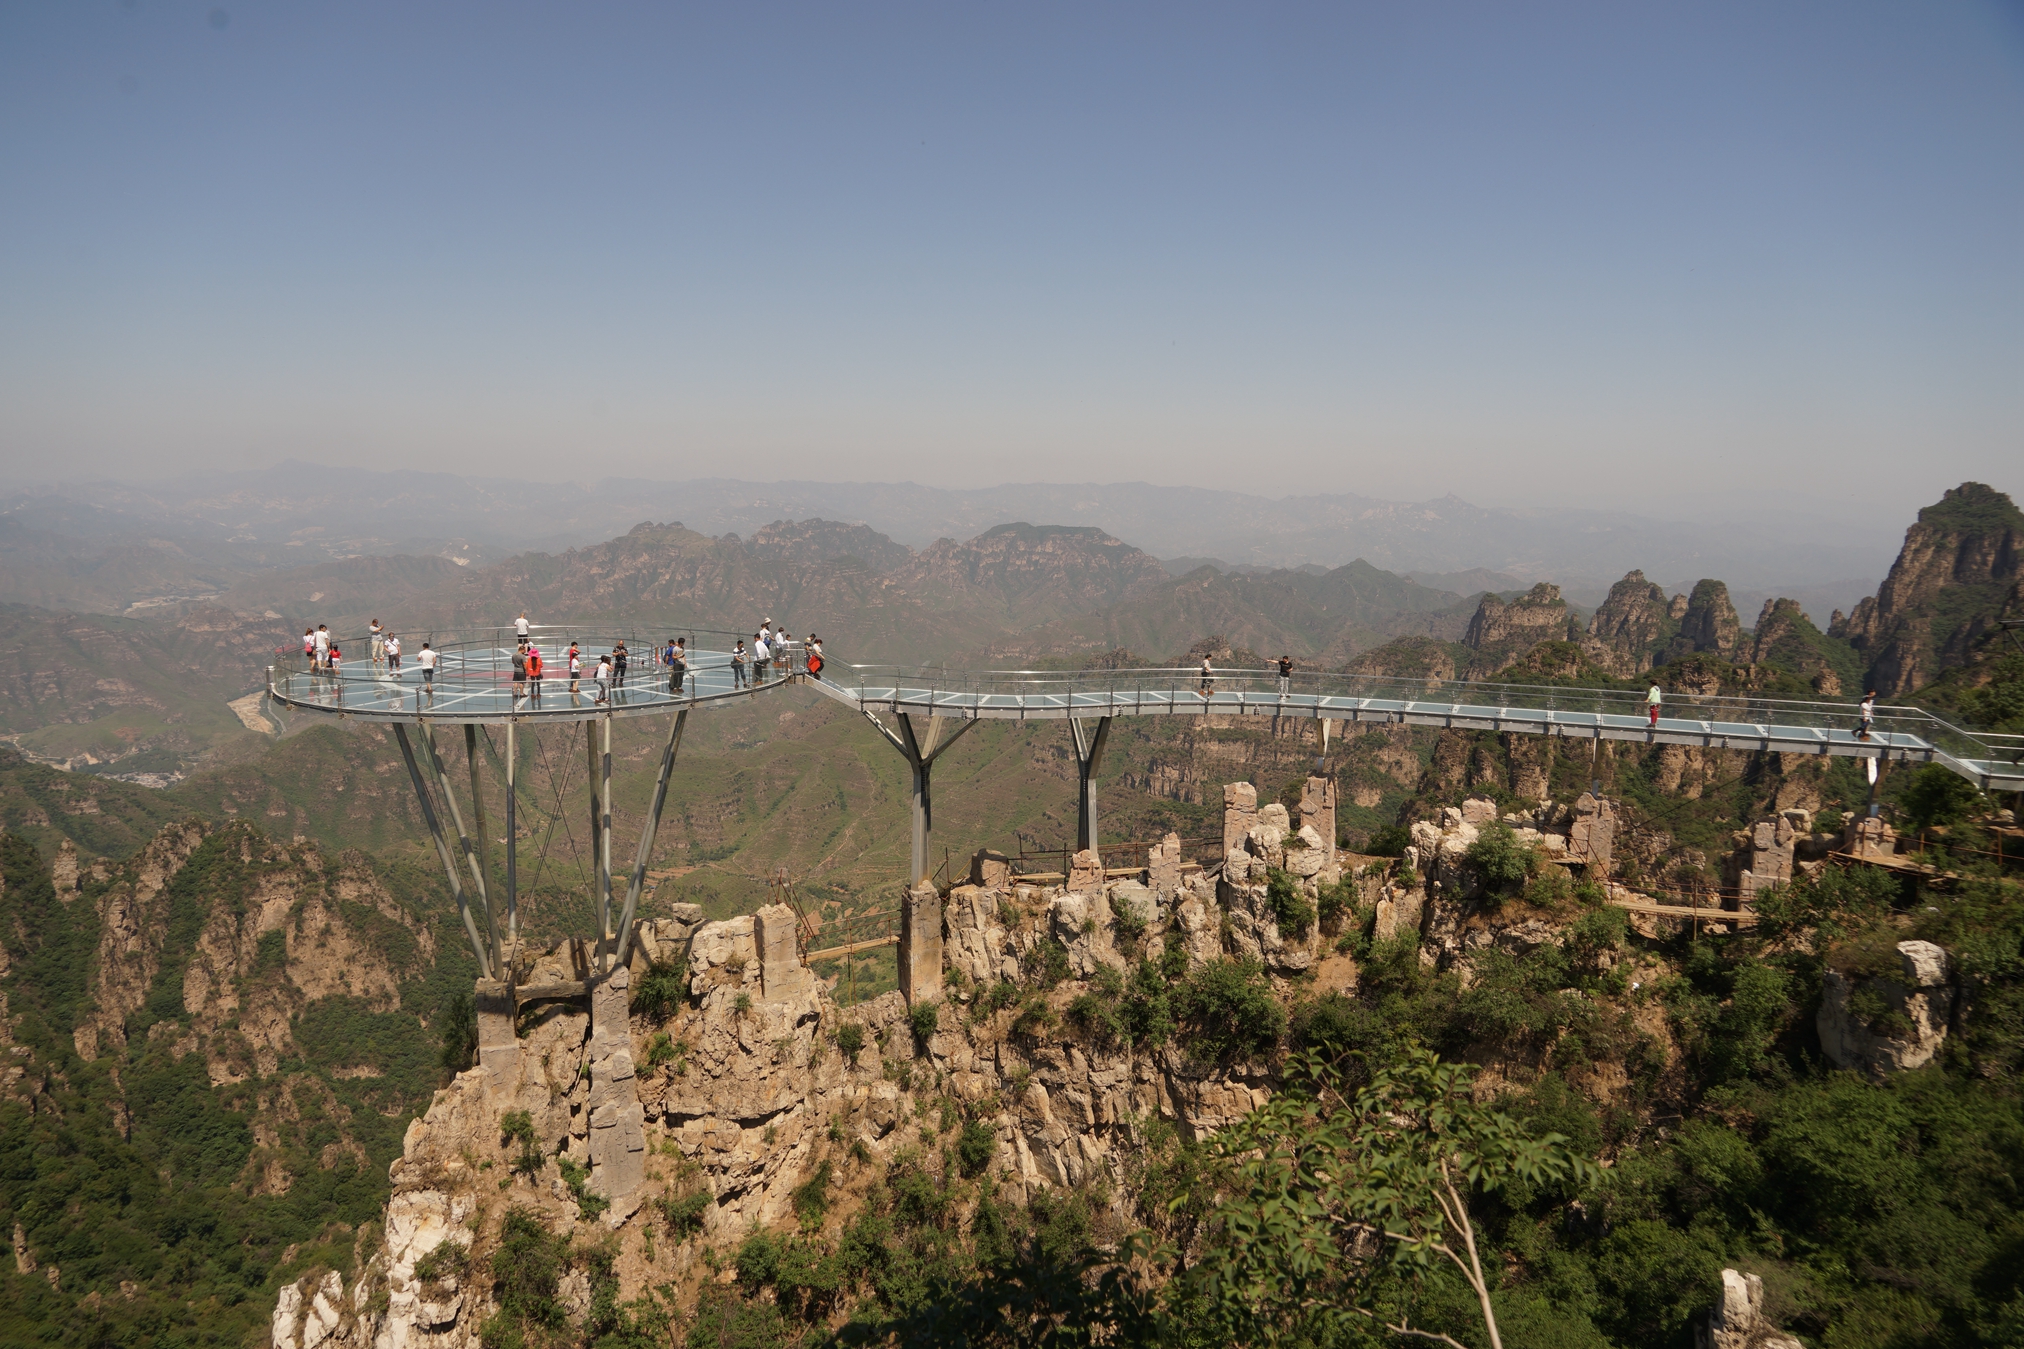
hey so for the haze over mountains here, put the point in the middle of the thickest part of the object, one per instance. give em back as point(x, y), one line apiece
point(92, 545)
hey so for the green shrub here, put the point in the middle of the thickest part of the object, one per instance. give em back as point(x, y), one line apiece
point(1129, 920)
point(1035, 1017)
point(1829, 821)
point(517, 1126)
point(684, 1215)
point(743, 1006)
point(811, 1198)
point(1336, 1026)
point(924, 1019)
point(1937, 796)
point(588, 1203)
point(448, 1259)
point(975, 1147)
point(1499, 858)
point(758, 1260)
point(527, 1279)
point(1047, 962)
point(460, 1033)
point(660, 992)
point(1389, 840)
point(1289, 903)
point(1098, 1016)
point(1333, 902)
point(850, 1039)
point(1230, 1007)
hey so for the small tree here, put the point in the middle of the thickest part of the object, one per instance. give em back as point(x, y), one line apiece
point(1328, 1190)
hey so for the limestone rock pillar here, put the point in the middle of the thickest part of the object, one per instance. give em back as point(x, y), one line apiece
point(921, 944)
point(781, 974)
point(1085, 872)
point(618, 1143)
point(498, 1046)
point(1240, 812)
point(1317, 808)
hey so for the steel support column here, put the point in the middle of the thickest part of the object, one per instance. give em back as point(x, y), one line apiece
point(604, 837)
point(442, 848)
point(1088, 759)
point(512, 845)
point(464, 839)
point(920, 753)
point(483, 830)
point(647, 833)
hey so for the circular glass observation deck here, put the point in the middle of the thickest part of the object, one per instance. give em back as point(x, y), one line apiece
point(474, 679)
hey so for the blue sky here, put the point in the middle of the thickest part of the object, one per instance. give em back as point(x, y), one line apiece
point(1662, 255)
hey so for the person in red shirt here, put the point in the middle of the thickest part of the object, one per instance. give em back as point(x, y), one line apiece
point(534, 674)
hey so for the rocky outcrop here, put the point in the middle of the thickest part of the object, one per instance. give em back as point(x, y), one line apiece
point(1786, 638)
point(1885, 1023)
point(825, 541)
point(1500, 631)
point(1737, 1320)
point(133, 923)
point(1968, 544)
point(1629, 627)
point(1027, 571)
point(1774, 851)
point(1707, 623)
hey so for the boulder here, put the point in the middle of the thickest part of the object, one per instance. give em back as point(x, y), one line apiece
point(1918, 1003)
point(1737, 1320)
point(1240, 812)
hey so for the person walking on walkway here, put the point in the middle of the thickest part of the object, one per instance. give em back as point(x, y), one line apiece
point(1652, 701)
point(1285, 675)
point(738, 659)
point(575, 665)
point(620, 658)
point(814, 661)
point(678, 665)
point(309, 646)
point(394, 655)
point(1208, 678)
point(322, 646)
point(534, 674)
point(762, 656)
point(1868, 711)
point(520, 626)
point(427, 660)
point(519, 671)
point(379, 645)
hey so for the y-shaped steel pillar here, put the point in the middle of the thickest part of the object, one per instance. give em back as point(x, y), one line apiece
point(1088, 759)
point(920, 753)
point(443, 849)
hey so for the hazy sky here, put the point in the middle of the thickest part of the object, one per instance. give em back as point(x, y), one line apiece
point(1617, 253)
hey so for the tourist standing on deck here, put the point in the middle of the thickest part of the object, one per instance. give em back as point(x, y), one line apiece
point(1285, 674)
point(813, 659)
point(1868, 715)
point(678, 665)
point(620, 657)
point(738, 659)
point(379, 644)
point(394, 655)
point(519, 670)
point(762, 656)
point(1208, 677)
point(1652, 701)
point(520, 626)
point(322, 646)
point(603, 677)
point(575, 665)
point(534, 673)
point(427, 660)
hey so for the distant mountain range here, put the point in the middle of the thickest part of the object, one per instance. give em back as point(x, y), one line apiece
point(307, 512)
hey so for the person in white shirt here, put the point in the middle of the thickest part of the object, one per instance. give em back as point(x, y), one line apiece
point(603, 678)
point(1208, 678)
point(322, 646)
point(738, 658)
point(1652, 701)
point(762, 656)
point(1868, 715)
point(393, 655)
point(520, 625)
point(427, 660)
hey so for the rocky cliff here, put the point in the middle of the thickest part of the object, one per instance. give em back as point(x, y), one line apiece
point(1630, 627)
point(1499, 632)
point(1950, 579)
